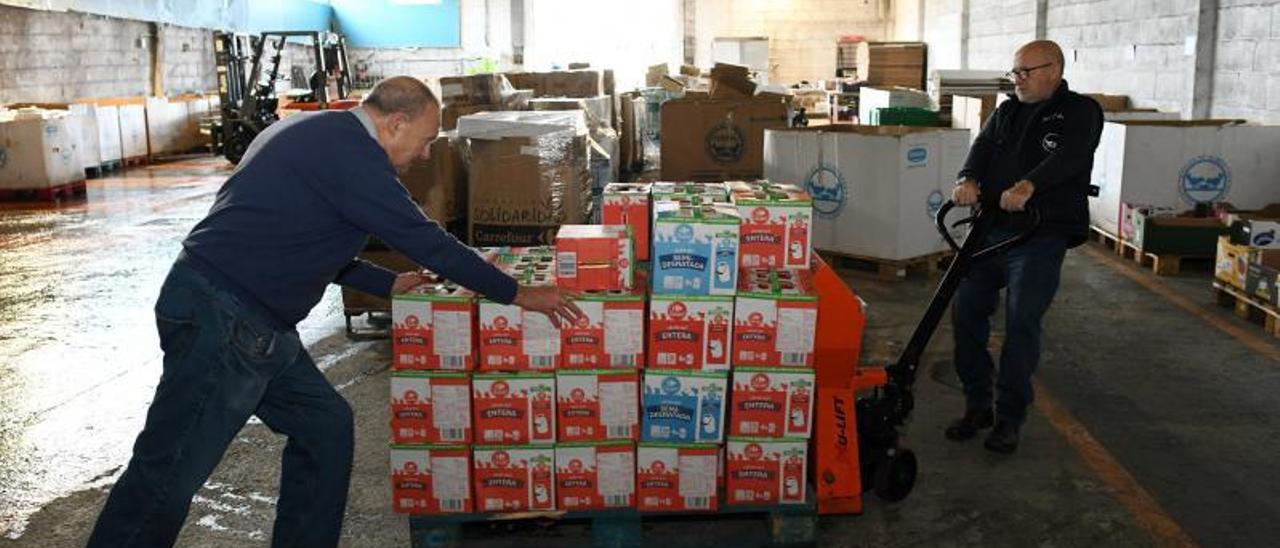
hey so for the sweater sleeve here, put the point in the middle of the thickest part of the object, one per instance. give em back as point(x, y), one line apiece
point(362, 185)
point(367, 277)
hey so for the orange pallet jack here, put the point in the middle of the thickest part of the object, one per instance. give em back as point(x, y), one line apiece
point(859, 408)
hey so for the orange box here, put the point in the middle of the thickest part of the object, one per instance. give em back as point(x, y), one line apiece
point(690, 332)
point(515, 479)
point(628, 204)
point(609, 336)
point(513, 409)
point(595, 257)
point(597, 405)
point(595, 476)
point(430, 479)
point(775, 317)
point(431, 407)
point(432, 328)
point(761, 471)
point(777, 225)
point(676, 478)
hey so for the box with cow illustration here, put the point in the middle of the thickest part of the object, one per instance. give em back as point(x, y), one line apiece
point(512, 338)
point(683, 406)
point(695, 250)
point(628, 204)
point(432, 407)
point(762, 471)
point(677, 478)
point(432, 328)
point(595, 476)
point(774, 319)
point(597, 405)
point(595, 257)
point(431, 479)
point(690, 332)
point(514, 479)
point(609, 335)
point(513, 408)
point(776, 224)
point(771, 402)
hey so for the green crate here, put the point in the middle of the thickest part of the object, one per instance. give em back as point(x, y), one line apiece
point(903, 116)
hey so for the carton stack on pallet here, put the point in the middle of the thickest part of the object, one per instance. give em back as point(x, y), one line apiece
point(464, 95)
point(1247, 268)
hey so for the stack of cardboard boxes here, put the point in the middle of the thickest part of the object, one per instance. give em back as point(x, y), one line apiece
point(1248, 256)
point(463, 95)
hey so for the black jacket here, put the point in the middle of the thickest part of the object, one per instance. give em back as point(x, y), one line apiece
point(1055, 153)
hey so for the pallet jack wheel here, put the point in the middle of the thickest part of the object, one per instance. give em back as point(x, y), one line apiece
point(895, 476)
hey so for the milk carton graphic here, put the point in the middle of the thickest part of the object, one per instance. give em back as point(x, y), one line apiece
point(514, 409)
point(695, 250)
point(592, 476)
point(690, 332)
point(511, 338)
point(597, 405)
point(432, 328)
point(514, 479)
point(776, 224)
point(771, 402)
point(430, 479)
point(671, 477)
point(609, 335)
point(774, 319)
point(763, 471)
point(430, 407)
point(683, 406)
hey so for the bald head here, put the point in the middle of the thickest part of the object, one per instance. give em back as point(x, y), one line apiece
point(1037, 69)
point(400, 94)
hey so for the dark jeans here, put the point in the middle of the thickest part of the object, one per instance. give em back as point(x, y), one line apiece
point(222, 364)
point(1030, 273)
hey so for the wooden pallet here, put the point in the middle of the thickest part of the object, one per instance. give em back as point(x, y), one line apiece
point(1248, 307)
point(136, 161)
point(888, 269)
point(1161, 264)
point(790, 525)
point(53, 194)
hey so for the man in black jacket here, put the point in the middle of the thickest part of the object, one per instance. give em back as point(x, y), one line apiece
point(1035, 151)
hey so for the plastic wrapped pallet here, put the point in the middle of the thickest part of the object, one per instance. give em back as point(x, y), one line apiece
point(37, 150)
point(599, 109)
point(528, 174)
point(478, 89)
point(439, 185)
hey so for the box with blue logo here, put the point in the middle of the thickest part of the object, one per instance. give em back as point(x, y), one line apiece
point(695, 250)
point(683, 406)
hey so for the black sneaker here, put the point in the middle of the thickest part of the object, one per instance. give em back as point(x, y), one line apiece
point(1003, 438)
point(968, 426)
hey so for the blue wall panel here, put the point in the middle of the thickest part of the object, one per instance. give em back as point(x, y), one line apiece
point(386, 23)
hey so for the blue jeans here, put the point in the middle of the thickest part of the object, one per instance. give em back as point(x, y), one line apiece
point(222, 364)
point(1030, 273)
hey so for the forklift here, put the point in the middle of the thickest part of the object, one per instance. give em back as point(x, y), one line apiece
point(247, 84)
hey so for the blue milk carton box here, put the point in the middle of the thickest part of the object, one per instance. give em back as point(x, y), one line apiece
point(695, 249)
point(683, 406)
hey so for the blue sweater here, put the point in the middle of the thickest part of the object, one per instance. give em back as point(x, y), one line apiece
point(297, 210)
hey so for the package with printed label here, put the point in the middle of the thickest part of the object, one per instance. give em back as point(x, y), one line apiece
point(776, 224)
point(595, 257)
point(512, 338)
point(690, 332)
point(695, 250)
point(628, 204)
point(597, 405)
point(431, 328)
point(763, 471)
point(537, 263)
point(683, 406)
point(610, 335)
point(431, 407)
point(514, 479)
point(430, 479)
point(771, 403)
point(595, 476)
point(775, 318)
point(676, 478)
point(513, 409)
point(703, 193)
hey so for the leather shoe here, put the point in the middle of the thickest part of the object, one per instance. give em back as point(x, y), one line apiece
point(968, 426)
point(1003, 438)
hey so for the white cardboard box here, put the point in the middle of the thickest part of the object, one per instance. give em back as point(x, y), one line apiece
point(84, 120)
point(875, 189)
point(870, 99)
point(1179, 163)
point(38, 151)
point(109, 148)
point(133, 131)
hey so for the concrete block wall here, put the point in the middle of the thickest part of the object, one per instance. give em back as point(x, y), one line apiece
point(1246, 73)
point(187, 60)
point(802, 33)
point(944, 23)
point(60, 57)
point(996, 29)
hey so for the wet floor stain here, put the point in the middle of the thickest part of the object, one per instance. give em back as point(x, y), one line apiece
point(79, 357)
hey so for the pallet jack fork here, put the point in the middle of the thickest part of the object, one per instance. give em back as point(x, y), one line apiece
point(859, 407)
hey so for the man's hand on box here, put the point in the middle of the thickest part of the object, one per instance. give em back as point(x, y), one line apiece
point(409, 280)
point(556, 303)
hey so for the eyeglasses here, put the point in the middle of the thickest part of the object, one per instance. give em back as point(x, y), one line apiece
point(1023, 73)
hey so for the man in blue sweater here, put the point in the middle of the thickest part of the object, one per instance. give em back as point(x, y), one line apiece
point(285, 225)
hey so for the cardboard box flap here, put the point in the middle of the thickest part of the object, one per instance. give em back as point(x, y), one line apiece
point(889, 131)
point(499, 125)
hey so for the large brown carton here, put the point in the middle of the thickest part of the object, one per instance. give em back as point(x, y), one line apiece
point(631, 132)
point(528, 174)
point(478, 89)
point(450, 113)
point(569, 83)
point(438, 185)
point(717, 140)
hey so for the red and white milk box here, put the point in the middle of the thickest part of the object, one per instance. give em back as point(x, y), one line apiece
point(597, 405)
point(771, 403)
point(628, 204)
point(774, 319)
point(515, 339)
point(765, 472)
point(676, 478)
point(595, 476)
point(431, 328)
point(777, 225)
point(610, 335)
point(513, 409)
point(690, 332)
point(515, 479)
point(430, 479)
point(430, 407)
point(595, 257)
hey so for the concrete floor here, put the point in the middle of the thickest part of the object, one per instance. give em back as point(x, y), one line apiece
point(1154, 424)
